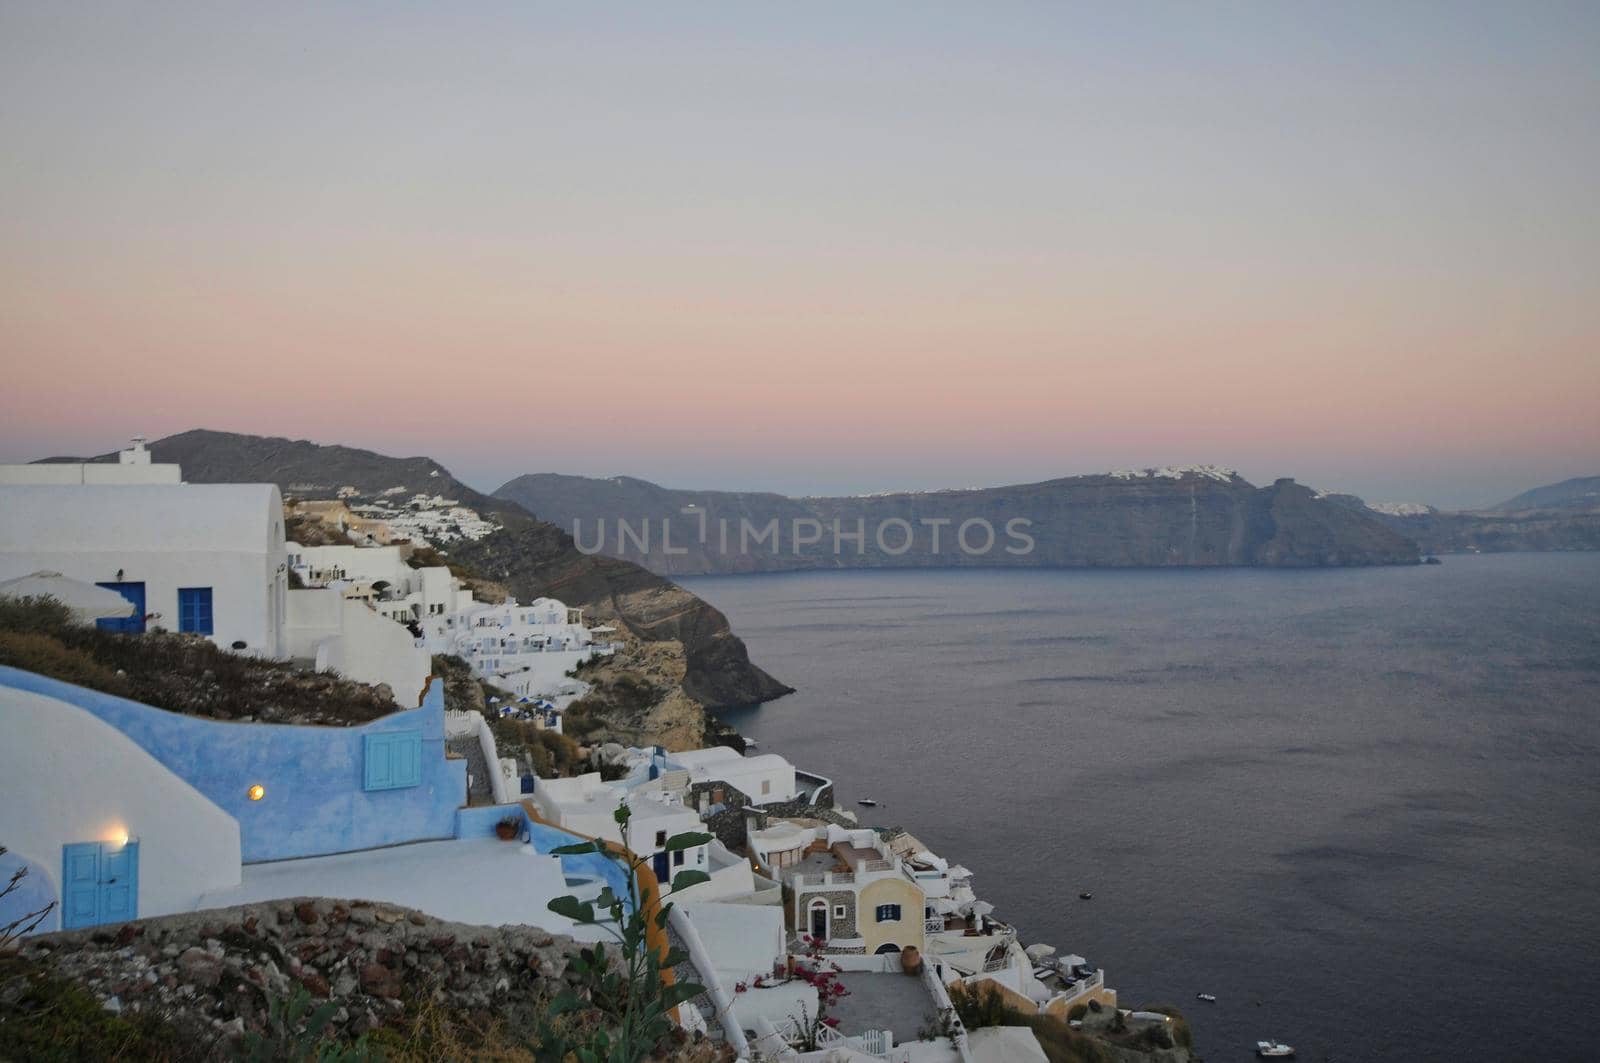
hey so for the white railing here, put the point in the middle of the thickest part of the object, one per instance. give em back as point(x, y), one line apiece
point(933, 926)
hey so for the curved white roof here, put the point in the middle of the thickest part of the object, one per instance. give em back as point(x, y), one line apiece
point(141, 517)
point(694, 758)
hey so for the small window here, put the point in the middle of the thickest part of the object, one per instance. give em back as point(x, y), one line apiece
point(888, 913)
point(194, 610)
point(661, 839)
point(700, 856)
point(677, 858)
point(766, 786)
point(838, 911)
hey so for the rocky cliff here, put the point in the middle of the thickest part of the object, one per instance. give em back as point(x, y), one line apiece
point(1155, 517)
point(529, 556)
point(1563, 516)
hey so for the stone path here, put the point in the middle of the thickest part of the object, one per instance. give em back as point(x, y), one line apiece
point(479, 789)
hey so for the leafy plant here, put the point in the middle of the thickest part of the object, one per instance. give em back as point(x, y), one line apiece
point(982, 1005)
point(626, 985)
point(296, 1034)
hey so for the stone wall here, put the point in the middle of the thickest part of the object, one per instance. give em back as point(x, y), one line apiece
point(837, 927)
point(213, 972)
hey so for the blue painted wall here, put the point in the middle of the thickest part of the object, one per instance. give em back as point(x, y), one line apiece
point(314, 803)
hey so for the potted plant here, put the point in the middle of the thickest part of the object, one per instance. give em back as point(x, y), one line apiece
point(508, 829)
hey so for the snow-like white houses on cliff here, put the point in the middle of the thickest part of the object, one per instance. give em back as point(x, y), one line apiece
point(525, 649)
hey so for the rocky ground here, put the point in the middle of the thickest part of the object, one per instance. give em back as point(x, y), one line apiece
point(212, 975)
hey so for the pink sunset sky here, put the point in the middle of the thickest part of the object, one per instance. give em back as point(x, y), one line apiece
point(819, 248)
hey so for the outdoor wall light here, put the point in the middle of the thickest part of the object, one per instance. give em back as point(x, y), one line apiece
point(257, 792)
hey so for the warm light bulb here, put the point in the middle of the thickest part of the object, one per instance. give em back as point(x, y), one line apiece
point(257, 792)
point(119, 837)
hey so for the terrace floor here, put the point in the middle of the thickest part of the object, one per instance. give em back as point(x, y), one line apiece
point(882, 1001)
point(480, 881)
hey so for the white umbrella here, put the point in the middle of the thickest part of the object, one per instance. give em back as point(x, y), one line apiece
point(981, 907)
point(1039, 952)
point(86, 601)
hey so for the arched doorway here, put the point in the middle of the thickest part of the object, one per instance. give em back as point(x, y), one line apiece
point(818, 921)
point(884, 950)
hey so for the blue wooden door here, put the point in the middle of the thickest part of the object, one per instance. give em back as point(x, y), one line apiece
point(99, 883)
point(80, 885)
point(119, 882)
point(134, 624)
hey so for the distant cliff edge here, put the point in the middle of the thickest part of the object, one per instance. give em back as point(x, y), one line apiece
point(1189, 516)
point(1561, 516)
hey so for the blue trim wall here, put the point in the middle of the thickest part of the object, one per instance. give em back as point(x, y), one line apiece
point(314, 803)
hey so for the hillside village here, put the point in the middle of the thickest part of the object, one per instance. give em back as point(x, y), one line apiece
point(228, 722)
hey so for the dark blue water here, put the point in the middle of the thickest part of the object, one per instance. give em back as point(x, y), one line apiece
point(1362, 807)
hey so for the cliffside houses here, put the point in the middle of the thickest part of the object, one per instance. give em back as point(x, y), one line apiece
point(126, 810)
point(380, 577)
point(525, 649)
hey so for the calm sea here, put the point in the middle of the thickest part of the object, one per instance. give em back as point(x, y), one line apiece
point(1362, 807)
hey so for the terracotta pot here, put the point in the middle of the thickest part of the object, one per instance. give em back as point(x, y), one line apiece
point(910, 960)
point(506, 831)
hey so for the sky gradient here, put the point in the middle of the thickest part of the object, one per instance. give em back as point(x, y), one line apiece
point(824, 248)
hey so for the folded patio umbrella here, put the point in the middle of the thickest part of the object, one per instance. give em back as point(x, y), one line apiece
point(87, 601)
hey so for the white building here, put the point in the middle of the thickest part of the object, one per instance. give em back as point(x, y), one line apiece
point(380, 577)
point(525, 649)
point(766, 778)
point(587, 805)
point(86, 782)
point(201, 558)
point(133, 466)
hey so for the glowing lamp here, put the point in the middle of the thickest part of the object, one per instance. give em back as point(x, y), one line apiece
point(257, 792)
point(119, 837)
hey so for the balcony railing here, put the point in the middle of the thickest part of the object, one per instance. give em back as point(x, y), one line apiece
point(933, 926)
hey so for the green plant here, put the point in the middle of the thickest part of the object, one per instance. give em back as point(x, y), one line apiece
point(983, 1006)
point(632, 996)
point(296, 1034)
point(48, 1019)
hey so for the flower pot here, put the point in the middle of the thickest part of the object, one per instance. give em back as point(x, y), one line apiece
point(506, 831)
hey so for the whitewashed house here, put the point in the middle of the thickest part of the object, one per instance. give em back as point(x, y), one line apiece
point(380, 577)
point(766, 778)
point(200, 558)
point(587, 805)
point(133, 466)
point(524, 649)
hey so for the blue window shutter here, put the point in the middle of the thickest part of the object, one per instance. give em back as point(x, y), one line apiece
point(194, 610)
point(392, 760)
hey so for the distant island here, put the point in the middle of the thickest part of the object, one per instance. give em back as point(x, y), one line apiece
point(1181, 516)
